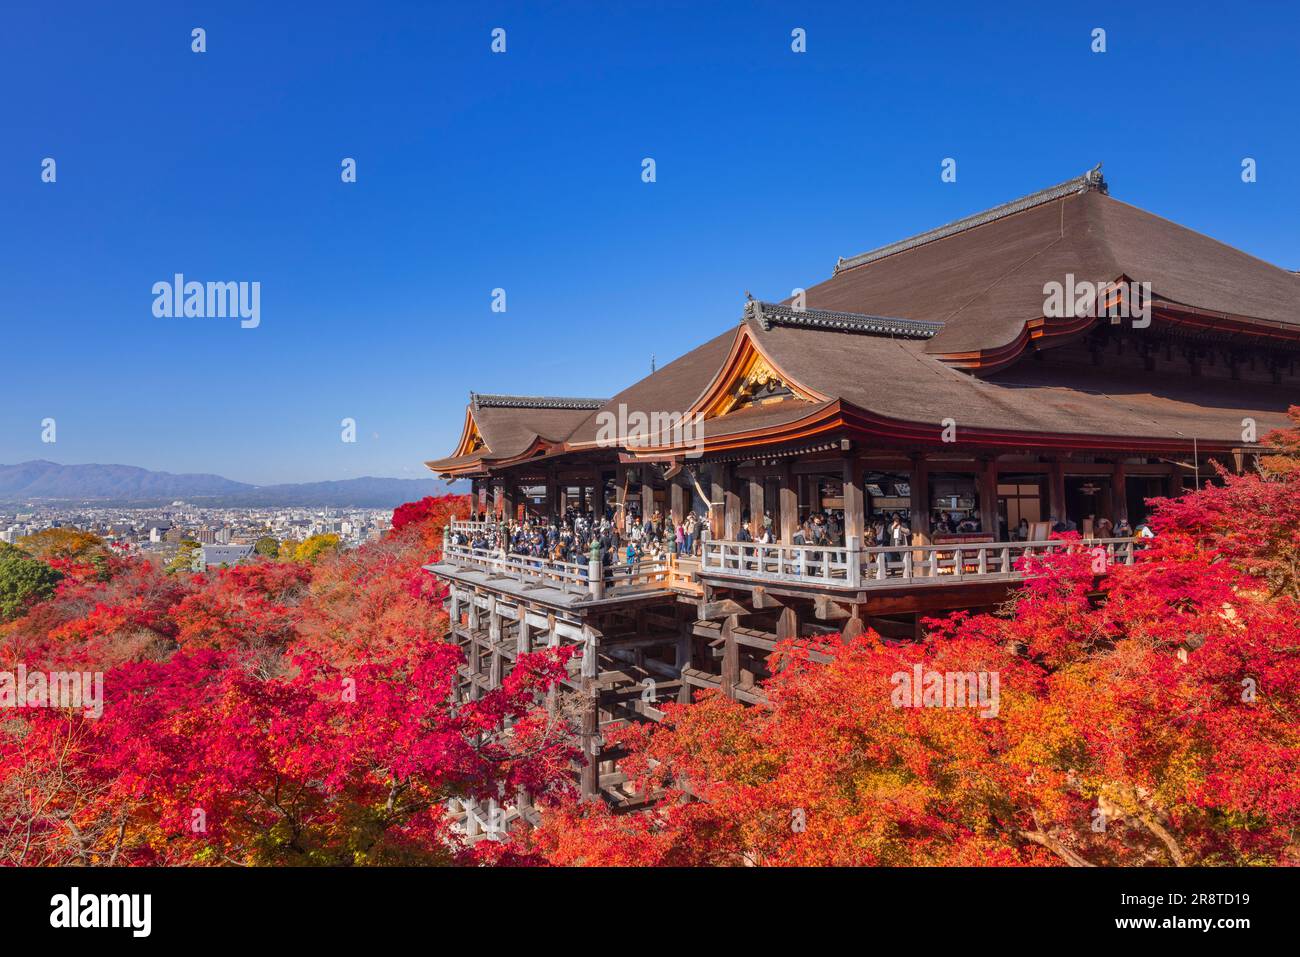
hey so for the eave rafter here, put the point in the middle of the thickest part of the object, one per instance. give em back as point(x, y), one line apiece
point(1043, 332)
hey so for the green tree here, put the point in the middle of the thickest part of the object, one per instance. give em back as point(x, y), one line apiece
point(268, 546)
point(184, 559)
point(23, 582)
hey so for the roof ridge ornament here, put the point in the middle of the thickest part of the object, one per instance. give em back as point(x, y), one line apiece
point(769, 314)
point(485, 400)
point(1091, 180)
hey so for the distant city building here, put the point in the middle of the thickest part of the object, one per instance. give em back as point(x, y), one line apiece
point(159, 530)
point(214, 556)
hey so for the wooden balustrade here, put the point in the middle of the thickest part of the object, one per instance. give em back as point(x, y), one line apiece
point(847, 566)
point(469, 527)
point(568, 577)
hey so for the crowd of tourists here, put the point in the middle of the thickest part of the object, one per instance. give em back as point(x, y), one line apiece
point(577, 536)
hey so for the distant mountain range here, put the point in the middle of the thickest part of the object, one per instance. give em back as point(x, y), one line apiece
point(125, 484)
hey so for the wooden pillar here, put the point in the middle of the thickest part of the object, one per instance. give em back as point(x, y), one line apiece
point(494, 638)
point(1174, 482)
point(920, 506)
point(620, 497)
point(717, 500)
point(730, 656)
point(523, 642)
point(678, 499)
point(755, 506)
point(1118, 493)
point(472, 649)
point(731, 499)
point(988, 486)
point(552, 641)
point(787, 625)
point(498, 500)
point(550, 510)
point(789, 504)
point(855, 519)
point(591, 743)
point(854, 626)
point(590, 778)
point(647, 493)
point(508, 492)
point(682, 657)
point(1056, 490)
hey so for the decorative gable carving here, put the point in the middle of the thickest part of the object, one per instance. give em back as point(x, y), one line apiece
point(749, 379)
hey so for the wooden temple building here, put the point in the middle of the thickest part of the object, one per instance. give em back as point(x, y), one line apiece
point(925, 379)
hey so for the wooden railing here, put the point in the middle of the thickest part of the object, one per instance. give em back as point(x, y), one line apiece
point(568, 577)
point(863, 567)
point(470, 527)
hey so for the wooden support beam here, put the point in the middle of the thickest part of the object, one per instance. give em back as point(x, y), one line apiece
point(550, 511)
point(827, 610)
point(494, 672)
point(1173, 482)
point(988, 489)
point(523, 644)
point(854, 498)
point(683, 658)
point(494, 638)
point(789, 496)
point(620, 497)
point(787, 625)
point(853, 627)
point(730, 658)
point(710, 610)
point(920, 505)
point(597, 493)
point(647, 492)
point(762, 599)
point(1056, 490)
point(731, 500)
point(1118, 493)
point(508, 492)
point(717, 500)
point(589, 780)
point(756, 506)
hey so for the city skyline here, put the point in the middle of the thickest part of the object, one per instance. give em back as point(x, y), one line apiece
point(523, 171)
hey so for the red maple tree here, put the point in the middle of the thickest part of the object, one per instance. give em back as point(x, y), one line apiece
point(1151, 718)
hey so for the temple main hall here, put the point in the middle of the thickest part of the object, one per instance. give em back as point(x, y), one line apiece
point(886, 444)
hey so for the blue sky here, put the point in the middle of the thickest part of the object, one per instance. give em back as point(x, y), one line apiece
point(522, 171)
